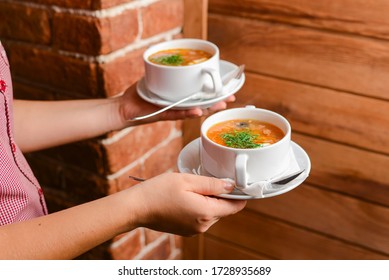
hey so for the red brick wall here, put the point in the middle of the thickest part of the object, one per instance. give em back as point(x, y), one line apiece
point(92, 49)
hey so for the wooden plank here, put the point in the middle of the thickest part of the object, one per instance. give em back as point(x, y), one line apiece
point(220, 250)
point(330, 60)
point(335, 215)
point(347, 170)
point(361, 17)
point(342, 117)
point(281, 240)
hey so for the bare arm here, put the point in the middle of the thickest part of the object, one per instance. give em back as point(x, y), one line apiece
point(44, 124)
point(68, 233)
point(71, 232)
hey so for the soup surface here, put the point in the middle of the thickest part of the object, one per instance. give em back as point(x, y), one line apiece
point(245, 133)
point(179, 57)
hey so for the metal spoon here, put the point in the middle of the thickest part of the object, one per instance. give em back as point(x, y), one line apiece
point(234, 74)
point(280, 181)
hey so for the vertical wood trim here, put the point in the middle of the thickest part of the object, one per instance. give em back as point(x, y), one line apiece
point(195, 18)
point(193, 248)
point(195, 26)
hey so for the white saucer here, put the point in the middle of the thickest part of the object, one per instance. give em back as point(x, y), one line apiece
point(189, 159)
point(231, 88)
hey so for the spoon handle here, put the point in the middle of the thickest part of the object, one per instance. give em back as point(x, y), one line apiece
point(164, 108)
point(136, 178)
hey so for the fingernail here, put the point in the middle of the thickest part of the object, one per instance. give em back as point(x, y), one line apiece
point(229, 184)
point(197, 113)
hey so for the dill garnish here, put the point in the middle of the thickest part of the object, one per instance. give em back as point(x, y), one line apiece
point(175, 59)
point(240, 139)
point(243, 139)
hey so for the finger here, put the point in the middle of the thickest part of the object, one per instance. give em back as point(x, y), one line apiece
point(197, 112)
point(210, 186)
point(222, 104)
point(178, 114)
point(194, 113)
point(230, 98)
point(218, 107)
point(225, 207)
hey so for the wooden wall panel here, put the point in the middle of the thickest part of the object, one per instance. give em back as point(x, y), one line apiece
point(330, 60)
point(215, 249)
point(332, 214)
point(283, 240)
point(347, 170)
point(361, 17)
point(324, 66)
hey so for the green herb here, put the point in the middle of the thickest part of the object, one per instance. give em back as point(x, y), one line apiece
point(175, 59)
point(241, 139)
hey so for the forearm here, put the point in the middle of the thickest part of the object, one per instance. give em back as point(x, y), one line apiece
point(192, 209)
point(71, 232)
point(44, 124)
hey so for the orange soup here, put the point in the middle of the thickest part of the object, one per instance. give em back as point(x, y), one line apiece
point(245, 133)
point(179, 57)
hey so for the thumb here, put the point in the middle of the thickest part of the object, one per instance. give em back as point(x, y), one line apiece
point(214, 186)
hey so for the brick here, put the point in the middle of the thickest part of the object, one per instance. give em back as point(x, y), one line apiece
point(163, 159)
point(94, 36)
point(130, 245)
point(51, 69)
point(28, 24)
point(81, 4)
point(178, 241)
point(176, 247)
point(84, 185)
point(160, 252)
point(162, 16)
point(122, 72)
point(119, 31)
point(28, 91)
point(123, 182)
point(86, 155)
point(87, 38)
point(47, 171)
point(75, 4)
point(152, 235)
point(135, 144)
point(56, 200)
point(104, 4)
point(176, 255)
point(78, 184)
